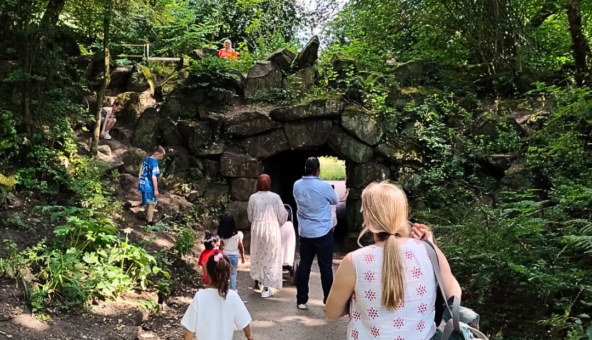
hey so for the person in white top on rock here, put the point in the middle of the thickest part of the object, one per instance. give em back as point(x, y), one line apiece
point(232, 245)
point(389, 289)
point(216, 311)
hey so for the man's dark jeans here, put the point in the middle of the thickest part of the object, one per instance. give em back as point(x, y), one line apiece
point(322, 247)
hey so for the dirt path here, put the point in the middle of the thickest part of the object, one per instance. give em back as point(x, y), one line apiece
point(278, 318)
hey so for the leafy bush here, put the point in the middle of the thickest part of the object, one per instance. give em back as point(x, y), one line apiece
point(88, 260)
point(10, 140)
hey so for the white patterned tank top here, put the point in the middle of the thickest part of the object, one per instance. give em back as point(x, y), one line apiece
point(414, 319)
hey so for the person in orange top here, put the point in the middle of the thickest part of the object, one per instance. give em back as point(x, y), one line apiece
point(227, 52)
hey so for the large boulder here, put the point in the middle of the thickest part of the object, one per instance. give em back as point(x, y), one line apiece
point(249, 123)
point(95, 70)
point(238, 210)
point(141, 80)
point(202, 53)
point(132, 160)
point(309, 54)
point(308, 134)
point(215, 193)
point(170, 133)
point(234, 164)
point(132, 108)
point(349, 147)
point(415, 70)
point(211, 168)
point(343, 64)
point(262, 80)
point(179, 106)
point(129, 186)
point(320, 108)
point(242, 188)
point(499, 162)
point(401, 154)
point(196, 134)
point(518, 178)
point(199, 131)
point(361, 125)
point(267, 144)
point(145, 133)
point(360, 175)
point(236, 81)
point(210, 149)
point(119, 77)
point(302, 81)
point(354, 218)
point(282, 58)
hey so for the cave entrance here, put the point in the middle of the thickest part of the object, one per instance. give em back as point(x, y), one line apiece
point(287, 167)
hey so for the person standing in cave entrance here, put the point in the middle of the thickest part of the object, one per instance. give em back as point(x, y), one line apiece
point(266, 213)
point(314, 198)
point(227, 52)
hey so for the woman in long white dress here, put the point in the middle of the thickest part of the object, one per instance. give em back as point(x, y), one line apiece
point(266, 213)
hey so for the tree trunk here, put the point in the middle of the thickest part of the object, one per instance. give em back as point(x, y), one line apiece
point(106, 79)
point(30, 49)
point(579, 45)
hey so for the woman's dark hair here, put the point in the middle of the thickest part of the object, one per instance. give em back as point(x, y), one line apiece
point(210, 240)
point(227, 227)
point(311, 166)
point(218, 268)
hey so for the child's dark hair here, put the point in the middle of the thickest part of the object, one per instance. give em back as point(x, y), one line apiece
point(227, 227)
point(218, 268)
point(210, 240)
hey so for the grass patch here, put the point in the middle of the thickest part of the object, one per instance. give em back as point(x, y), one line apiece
point(332, 169)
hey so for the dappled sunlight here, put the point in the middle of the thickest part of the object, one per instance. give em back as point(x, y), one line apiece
point(30, 322)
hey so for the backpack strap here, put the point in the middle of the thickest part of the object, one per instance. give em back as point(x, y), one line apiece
point(436, 267)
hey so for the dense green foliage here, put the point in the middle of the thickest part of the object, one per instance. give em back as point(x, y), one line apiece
point(518, 237)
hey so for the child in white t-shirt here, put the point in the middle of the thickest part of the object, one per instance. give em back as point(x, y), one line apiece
point(232, 245)
point(216, 311)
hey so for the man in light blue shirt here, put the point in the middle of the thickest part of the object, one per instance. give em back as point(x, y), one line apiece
point(314, 198)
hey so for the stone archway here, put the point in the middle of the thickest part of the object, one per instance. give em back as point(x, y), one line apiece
point(220, 155)
point(318, 128)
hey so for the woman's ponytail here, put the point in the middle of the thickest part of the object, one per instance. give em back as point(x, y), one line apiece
point(385, 210)
point(392, 274)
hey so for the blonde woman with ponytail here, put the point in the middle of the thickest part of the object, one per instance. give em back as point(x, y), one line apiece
point(388, 289)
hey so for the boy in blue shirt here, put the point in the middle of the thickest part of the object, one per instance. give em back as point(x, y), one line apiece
point(149, 176)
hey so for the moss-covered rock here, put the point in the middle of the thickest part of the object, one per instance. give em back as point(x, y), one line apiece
point(401, 154)
point(234, 164)
point(357, 122)
point(267, 144)
point(145, 134)
point(282, 58)
point(309, 54)
point(242, 188)
point(349, 147)
point(132, 107)
point(360, 175)
point(249, 123)
point(132, 160)
point(319, 108)
point(263, 79)
point(7, 182)
point(309, 134)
